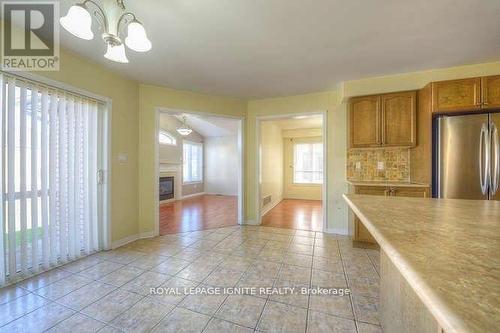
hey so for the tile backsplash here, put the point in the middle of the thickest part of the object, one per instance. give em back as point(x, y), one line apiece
point(378, 164)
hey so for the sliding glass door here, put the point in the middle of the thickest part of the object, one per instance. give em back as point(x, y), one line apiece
point(52, 177)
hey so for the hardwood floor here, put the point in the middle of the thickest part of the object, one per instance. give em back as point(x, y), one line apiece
point(198, 213)
point(296, 214)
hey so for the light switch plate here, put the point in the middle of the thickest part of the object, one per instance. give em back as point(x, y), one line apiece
point(380, 166)
point(122, 158)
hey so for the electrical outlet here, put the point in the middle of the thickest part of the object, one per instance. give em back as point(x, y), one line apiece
point(380, 166)
point(358, 165)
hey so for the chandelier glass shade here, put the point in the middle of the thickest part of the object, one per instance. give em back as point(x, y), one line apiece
point(184, 129)
point(116, 53)
point(116, 25)
point(78, 22)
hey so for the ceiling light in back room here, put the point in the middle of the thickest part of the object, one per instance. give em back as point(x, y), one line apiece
point(184, 129)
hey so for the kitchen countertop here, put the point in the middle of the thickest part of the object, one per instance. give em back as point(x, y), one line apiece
point(386, 183)
point(447, 250)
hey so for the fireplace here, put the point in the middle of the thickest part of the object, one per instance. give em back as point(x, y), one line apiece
point(166, 188)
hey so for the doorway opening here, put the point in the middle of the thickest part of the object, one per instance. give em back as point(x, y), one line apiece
point(199, 171)
point(292, 171)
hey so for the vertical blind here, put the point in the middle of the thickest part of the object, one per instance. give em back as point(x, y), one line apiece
point(49, 177)
point(192, 162)
point(308, 163)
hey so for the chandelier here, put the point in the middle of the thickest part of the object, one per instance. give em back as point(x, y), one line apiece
point(112, 19)
point(184, 129)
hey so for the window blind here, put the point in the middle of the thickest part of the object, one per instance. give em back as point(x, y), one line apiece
point(308, 163)
point(192, 162)
point(49, 177)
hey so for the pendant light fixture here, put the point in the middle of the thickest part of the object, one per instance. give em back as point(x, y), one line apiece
point(112, 19)
point(184, 129)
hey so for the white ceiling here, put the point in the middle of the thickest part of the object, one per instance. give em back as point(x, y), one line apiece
point(299, 122)
point(266, 48)
point(210, 126)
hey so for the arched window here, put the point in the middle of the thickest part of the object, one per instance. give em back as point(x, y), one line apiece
point(166, 138)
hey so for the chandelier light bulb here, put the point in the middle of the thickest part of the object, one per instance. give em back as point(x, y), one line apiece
point(78, 22)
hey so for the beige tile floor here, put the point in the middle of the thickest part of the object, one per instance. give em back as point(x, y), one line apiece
point(110, 291)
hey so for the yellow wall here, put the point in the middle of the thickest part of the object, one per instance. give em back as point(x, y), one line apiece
point(271, 180)
point(336, 134)
point(151, 98)
point(91, 77)
point(290, 189)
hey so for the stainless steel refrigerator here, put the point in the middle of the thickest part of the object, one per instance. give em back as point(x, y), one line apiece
point(466, 162)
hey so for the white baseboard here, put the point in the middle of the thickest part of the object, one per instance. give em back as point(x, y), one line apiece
point(192, 195)
point(167, 201)
point(130, 239)
point(337, 231)
point(249, 222)
point(271, 206)
point(223, 194)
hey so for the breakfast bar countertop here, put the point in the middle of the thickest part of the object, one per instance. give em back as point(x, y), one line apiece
point(447, 250)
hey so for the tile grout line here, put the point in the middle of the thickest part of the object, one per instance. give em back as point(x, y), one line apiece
point(274, 285)
point(177, 305)
point(346, 277)
point(310, 283)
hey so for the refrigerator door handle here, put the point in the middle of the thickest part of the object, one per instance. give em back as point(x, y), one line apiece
point(494, 178)
point(484, 146)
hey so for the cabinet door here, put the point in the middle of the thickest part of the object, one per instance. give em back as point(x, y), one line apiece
point(365, 121)
point(371, 190)
point(456, 95)
point(362, 234)
point(491, 92)
point(399, 119)
point(416, 192)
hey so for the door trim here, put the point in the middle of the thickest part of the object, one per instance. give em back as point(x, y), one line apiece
point(259, 120)
point(156, 175)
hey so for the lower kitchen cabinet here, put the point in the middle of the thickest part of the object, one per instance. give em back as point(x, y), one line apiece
point(360, 233)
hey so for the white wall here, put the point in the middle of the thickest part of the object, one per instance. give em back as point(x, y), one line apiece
point(221, 165)
point(173, 154)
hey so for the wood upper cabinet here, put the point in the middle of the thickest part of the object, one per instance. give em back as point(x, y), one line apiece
point(365, 121)
point(383, 120)
point(399, 119)
point(491, 92)
point(456, 95)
